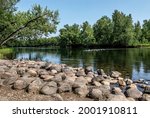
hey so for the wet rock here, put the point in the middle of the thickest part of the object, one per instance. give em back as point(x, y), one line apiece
point(20, 84)
point(133, 93)
point(96, 94)
point(115, 74)
point(82, 91)
point(32, 73)
point(146, 97)
point(49, 88)
point(64, 87)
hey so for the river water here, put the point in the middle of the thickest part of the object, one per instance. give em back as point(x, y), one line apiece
point(132, 62)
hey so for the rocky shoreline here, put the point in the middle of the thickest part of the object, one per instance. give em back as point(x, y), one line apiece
point(38, 80)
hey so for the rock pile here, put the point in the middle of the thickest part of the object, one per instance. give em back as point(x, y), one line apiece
point(37, 77)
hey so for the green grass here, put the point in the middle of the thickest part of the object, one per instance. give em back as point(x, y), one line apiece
point(5, 51)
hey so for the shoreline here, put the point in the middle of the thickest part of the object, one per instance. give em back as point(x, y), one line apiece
point(39, 80)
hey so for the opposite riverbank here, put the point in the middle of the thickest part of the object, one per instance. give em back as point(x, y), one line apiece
point(38, 80)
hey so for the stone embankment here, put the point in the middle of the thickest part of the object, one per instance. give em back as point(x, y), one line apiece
point(37, 80)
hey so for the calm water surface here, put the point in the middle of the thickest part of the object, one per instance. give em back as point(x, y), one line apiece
point(133, 62)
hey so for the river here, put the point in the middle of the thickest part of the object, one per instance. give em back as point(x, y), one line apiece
point(131, 62)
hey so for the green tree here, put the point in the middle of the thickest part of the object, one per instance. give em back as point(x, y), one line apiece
point(103, 31)
point(70, 35)
point(146, 30)
point(138, 31)
point(123, 32)
point(86, 36)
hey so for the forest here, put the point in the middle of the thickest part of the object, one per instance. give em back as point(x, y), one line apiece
point(33, 28)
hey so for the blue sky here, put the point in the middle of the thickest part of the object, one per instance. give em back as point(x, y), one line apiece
point(78, 11)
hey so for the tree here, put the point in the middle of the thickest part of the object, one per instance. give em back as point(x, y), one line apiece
point(32, 24)
point(70, 35)
point(123, 29)
point(146, 30)
point(103, 31)
point(138, 31)
point(86, 35)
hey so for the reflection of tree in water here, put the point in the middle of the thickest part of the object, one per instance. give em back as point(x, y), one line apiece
point(123, 60)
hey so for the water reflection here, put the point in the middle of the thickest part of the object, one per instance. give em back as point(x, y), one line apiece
point(134, 62)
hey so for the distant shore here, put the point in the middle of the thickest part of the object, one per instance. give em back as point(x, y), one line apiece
point(38, 80)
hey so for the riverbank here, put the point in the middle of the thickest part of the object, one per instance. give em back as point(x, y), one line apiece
point(38, 80)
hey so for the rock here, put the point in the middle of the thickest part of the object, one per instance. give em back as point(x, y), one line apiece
point(53, 71)
point(117, 98)
point(20, 84)
point(113, 81)
point(128, 81)
point(70, 80)
point(147, 89)
point(90, 74)
point(46, 77)
point(42, 72)
point(9, 81)
point(2, 71)
point(121, 82)
point(146, 97)
point(133, 93)
point(130, 99)
point(116, 91)
point(6, 75)
point(35, 86)
point(64, 87)
point(98, 78)
point(57, 97)
point(101, 72)
point(89, 79)
point(82, 91)
point(56, 67)
point(105, 82)
point(79, 82)
point(115, 74)
point(57, 78)
point(32, 73)
point(96, 94)
point(28, 79)
point(88, 69)
point(21, 71)
point(80, 73)
point(49, 88)
point(96, 83)
point(2, 98)
point(133, 86)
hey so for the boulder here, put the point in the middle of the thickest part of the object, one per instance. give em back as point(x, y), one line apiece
point(80, 73)
point(21, 71)
point(128, 81)
point(97, 84)
point(89, 79)
point(70, 80)
point(133, 93)
point(105, 82)
point(57, 78)
point(80, 82)
point(88, 69)
point(121, 82)
point(98, 78)
point(46, 77)
point(96, 94)
point(146, 97)
point(117, 98)
point(90, 74)
point(115, 74)
point(82, 91)
point(9, 81)
point(6, 75)
point(32, 73)
point(20, 84)
point(28, 79)
point(49, 88)
point(147, 89)
point(116, 91)
point(64, 87)
point(57, 97)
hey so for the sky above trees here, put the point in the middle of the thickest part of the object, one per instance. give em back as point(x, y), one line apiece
point(78, 11)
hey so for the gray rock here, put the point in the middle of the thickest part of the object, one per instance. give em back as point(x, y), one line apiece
point(105, 82)
point(28, 79)
point(101, 72)
point(80, 73)
point(146, 97)
point(96, 94)
point(9, 81)
point(46, 77)
point(20, 84)
point(80, 82)
point(116, 91)
point(121, 82)
point(82, 91)
point(49, 88)
point(88, 69)
point(128, 81)
point(70, 80)
point(117, 98)
point(6, 75)
point(134, 93)
point(64, 87)
point(57, 78)
point(95, 83)
point(21, 71)
point(147, 89)
point(115, 74)
point(98, 78)
point(32, 73)
point(57, 97)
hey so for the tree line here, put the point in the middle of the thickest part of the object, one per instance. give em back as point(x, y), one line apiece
point(34, 27)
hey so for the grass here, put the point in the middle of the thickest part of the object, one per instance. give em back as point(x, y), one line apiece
point(5, 51)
